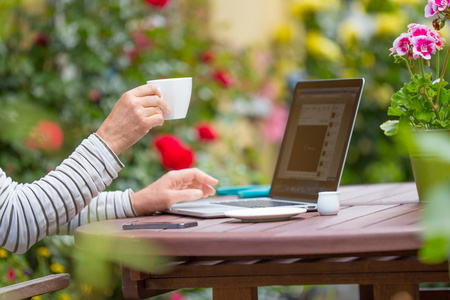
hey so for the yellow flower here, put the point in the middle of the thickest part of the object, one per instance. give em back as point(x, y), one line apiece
point(64, 297)
point(283, 34)
point(57, 268)
point(301, 8)
point(36, 298)
point(321, 46)
point(87, 288)
point(44, 252)
point(389, 23)
point(3, 253)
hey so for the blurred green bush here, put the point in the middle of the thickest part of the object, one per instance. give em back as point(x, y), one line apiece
point(71, 61)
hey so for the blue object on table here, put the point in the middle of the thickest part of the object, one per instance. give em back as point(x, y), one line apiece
point(244, 191)
point(233, 190)
point(259, 191)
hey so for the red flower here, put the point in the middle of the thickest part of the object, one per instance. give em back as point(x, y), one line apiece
point(176, 296)
point(95, 95)
point(223, 77)
point(41, 39)
point(47, 135)
point(206, 132)
point(208, 56)
point(158, 3)
point(174, 154)
point(11, 275)
point(141, 40)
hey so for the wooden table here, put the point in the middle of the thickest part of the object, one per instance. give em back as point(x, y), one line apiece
point(372, 242)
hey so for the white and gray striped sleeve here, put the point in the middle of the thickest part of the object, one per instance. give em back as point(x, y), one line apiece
point(29, 212)
point(106, 206)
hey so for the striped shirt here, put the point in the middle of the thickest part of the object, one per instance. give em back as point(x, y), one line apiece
point(64, 199)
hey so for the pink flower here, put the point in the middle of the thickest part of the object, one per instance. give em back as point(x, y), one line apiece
point(435, 6)
point(417, 29)
point(176, 296)
point(47, 135)
point(95, 95)
point(141, 40)
point(274, 126)
point(401, 45)
point(11, 275)
point(423, 46)
point(419, 42)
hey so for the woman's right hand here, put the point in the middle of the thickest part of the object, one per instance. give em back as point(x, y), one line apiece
point(136, 112)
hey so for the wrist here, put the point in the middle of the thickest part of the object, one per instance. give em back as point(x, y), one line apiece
point(110, 142)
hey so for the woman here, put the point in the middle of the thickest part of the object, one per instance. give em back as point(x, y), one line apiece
point(71, 195)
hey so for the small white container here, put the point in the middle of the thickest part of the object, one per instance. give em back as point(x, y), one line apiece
point(328, 203)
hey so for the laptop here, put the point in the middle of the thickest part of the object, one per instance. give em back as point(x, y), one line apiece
point(312, 154)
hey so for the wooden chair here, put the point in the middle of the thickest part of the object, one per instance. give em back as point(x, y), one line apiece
point(35, 287)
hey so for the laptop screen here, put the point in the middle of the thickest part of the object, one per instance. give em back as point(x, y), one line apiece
point(316, 138)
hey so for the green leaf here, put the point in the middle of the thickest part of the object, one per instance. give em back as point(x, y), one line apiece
point(401, 98)
point(390, 127)
point(425, 116)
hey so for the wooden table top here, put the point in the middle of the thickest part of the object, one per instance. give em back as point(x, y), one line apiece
point(374, 218)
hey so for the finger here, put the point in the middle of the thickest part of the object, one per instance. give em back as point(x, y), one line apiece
point(151, 101)
point(198, 176)
point(185, 195)
point(208, 190)
point(154, 120)
point(146, 90)
point(151, 111)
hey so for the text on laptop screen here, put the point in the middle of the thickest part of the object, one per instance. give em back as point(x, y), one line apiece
point(317, 135)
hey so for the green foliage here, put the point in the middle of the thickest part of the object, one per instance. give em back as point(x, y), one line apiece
point(415, 105)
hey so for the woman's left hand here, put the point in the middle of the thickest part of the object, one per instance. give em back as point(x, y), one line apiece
point(173, 187)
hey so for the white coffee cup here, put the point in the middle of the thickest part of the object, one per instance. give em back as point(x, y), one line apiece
point(328, 203)
point(177, 93)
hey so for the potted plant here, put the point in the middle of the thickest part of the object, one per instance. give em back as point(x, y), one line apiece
point(422, 105)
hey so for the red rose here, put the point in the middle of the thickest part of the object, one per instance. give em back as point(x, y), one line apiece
point(158, 3)
point(174, 154)
point(206, 132)
point(223, 77)
point(47, 135)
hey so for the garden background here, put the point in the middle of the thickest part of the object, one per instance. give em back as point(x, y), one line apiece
point(65, 64)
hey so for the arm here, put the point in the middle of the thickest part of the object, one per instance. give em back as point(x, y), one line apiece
point(29, 212)
point(173, 187)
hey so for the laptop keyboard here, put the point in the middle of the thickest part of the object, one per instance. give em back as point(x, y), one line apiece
point(257, 203)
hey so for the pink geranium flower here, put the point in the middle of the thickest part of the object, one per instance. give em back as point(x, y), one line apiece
point(419, 42)
point(435, 6)
point(423, 46)
point(401, 44)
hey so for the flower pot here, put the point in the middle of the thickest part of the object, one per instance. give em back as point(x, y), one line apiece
point(428, 167)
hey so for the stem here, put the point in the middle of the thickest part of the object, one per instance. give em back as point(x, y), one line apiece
point(437, 64)
point(421, 68)
point(444, 67)
point(409, 68)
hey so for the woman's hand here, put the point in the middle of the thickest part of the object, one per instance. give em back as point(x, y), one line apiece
point(173, 187)
point(136, 112)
